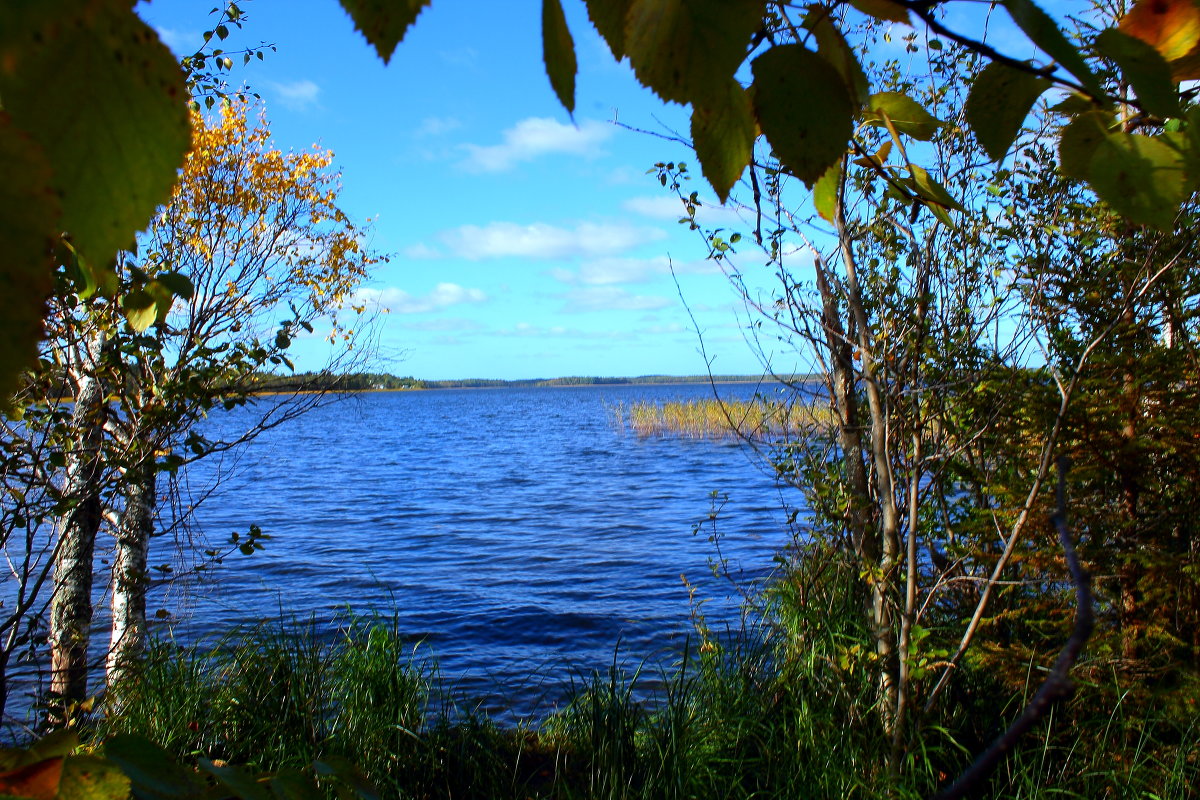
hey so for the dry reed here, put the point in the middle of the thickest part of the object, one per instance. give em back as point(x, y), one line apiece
point(759, 419)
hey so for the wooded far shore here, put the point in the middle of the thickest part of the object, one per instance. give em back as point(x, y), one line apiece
point(374, 381)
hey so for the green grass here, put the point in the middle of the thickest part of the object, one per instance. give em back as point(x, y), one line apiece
point(772, 710)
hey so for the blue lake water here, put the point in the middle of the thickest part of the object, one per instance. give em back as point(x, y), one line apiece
point(519, 534)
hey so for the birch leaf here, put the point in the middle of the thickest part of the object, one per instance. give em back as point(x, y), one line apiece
point(1143, 179)
point(998, 104)
point(558, 52)
point(886, 10)
point(117, 129)
point(383, 23)
point(907, 115)
point(1079, 141)
point(1145, 70)
point(29, 220)
point(724, 134)
point(609, 18)
point(687, 50)
point(1044, 32)
point(825, 192)
point(803, 108)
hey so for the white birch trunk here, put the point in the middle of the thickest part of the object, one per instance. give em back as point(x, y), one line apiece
point(71, 601)
point(129, 571)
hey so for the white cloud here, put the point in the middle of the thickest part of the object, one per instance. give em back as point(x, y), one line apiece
point(399, 301)
point(656, 206)
point(666, 207)
point(537, 136)
point(437, 126)
point(539, 240)
point(422, 250)
point(181, 42)
point(611, 298)
point(297, 95)
point(444, 325)
point(608, 271)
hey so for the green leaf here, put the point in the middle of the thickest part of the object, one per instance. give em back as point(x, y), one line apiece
point(886, 10)
point(723, 135)
point(687, 50)
point(347, 773)
point(1143, 179)
point(241, 782)
point(1079, 141)
point(112, 83)
point(558, 52)
point(1073, 104)
point(1144, 68)
point(803, 108)
point(177, 284)
point(825, 192)
point(1044, 32)
point(151, 769)
point(384, 22)
point(141, 309)
point(933, 193)
point(998, 104)
point(833, 47)
point(29, 220)
point(609, 18)
point(291, 784)
point(907, 115)
point(86, 777)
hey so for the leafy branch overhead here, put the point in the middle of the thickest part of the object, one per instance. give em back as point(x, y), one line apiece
point(808, 95)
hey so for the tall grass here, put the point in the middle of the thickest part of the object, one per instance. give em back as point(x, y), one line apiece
point(760, 419)
point(778, 708)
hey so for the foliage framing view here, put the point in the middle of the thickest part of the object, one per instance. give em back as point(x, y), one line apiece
point(117, 83)
point(1135, 150)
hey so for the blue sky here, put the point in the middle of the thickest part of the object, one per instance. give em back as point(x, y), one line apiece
point(524, 243)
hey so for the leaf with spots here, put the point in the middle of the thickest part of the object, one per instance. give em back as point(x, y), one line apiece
point(687, 50)
point(29, 221)
point(117, 129)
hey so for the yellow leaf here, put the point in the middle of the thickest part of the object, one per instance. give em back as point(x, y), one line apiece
point(1172, 27)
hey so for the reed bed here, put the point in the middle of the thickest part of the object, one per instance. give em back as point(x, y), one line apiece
point(758, 419)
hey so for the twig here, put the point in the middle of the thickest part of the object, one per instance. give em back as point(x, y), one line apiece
point(1058, 683)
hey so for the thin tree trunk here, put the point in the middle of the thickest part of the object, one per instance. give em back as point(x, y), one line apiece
point(71, 601)
point(883, 570)
point(129, 571)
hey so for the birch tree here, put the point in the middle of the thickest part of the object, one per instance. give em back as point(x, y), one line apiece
point(269, 256)
point(251, 253)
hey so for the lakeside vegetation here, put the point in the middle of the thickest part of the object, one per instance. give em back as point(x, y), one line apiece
point(777, 709)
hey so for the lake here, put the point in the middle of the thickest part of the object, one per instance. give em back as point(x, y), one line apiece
point(519, 534)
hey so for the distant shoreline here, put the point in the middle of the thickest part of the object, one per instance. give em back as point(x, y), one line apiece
point(376, 382)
